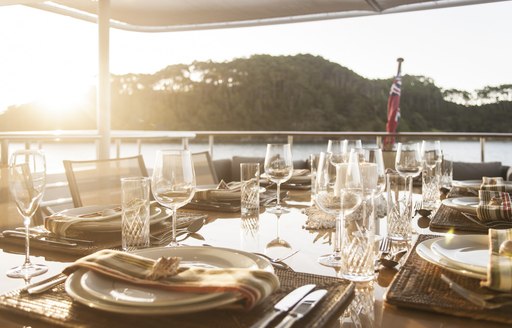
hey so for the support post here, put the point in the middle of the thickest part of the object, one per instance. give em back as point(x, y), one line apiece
point(103, 102)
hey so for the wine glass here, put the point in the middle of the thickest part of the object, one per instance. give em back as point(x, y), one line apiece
point(355, 144)
point(327, 198)
point(408, 161)
point(373, 172)
point(431, 153)
point(173, 183)
point(27, 180)
point(337, 150)
point(278, 168)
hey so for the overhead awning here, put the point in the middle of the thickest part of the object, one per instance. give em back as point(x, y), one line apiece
point(180, 15)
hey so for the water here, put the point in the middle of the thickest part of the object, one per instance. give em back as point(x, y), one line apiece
point(467, 151)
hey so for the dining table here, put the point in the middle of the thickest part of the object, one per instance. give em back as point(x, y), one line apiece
point(278, 236)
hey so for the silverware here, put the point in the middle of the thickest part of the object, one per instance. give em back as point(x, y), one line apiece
point(39, 238)
point(46, 286)
point(486, 301)
point(284, 305)
point(42, 282)
point(302, 308)
point(43, 233)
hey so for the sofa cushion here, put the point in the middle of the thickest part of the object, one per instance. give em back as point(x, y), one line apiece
point(475, 171)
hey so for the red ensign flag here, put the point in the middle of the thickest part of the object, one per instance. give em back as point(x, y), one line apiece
point(393, 107)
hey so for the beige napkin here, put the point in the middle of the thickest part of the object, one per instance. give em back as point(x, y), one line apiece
point(499, 271)
point(223, 192)
point(495, 184)
point(252, 286)
point(59, 223)
point(494, 205)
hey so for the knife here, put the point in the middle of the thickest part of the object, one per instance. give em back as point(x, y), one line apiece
point(303, 308)
point(284, 305)
point(47, 240)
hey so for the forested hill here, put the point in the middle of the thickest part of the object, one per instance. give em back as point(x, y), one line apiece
point(263, 92)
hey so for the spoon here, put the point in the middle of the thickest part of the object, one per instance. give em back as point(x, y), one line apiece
point(193, 227)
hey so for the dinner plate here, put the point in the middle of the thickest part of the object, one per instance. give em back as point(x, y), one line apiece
point(110, 223)
point(467, 251)
point(81, 284)
point(117, 291)
point(424, 250)
point(467, 183)
point(463, 204)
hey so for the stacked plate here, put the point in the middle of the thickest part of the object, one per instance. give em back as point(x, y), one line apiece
point(104, 293)
point(463, 254)
point(463, 204)
point(108, 218)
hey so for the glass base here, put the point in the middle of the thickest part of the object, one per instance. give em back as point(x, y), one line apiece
point(330, 260)
point(27, 271)
point(357, 278)
point(278, 210)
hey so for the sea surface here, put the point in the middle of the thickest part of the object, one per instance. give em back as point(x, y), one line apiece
point(468, 151)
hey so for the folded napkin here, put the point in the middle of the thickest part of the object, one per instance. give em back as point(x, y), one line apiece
point(494, 205)
point(59, 223)
point(495, 184)
point(252, 286)
point(223, 192)
point(499, 271)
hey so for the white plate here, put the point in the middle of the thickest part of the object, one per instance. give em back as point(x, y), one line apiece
point(424, 251)
point(463, 204)
point(467, 183)
point(78, 285)
point(111, 223)
point(467, 251)
point(116, 291)
point(466, 201)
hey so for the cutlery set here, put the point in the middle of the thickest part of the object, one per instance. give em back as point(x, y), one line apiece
point(46, 238)
point(296, 305)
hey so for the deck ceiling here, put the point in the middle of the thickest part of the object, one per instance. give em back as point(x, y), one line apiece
point(179, 15)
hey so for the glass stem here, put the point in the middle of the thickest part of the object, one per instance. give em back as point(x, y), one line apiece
point(278, 201)
point(26, 223)
point(173, 227)
point(337, 236)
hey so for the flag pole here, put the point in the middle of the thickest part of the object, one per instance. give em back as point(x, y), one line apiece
point(393, 103)
point(399, 60)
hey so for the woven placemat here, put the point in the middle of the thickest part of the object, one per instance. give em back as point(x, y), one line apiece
point(57, 308)
point(418, 285)
point(449, 219)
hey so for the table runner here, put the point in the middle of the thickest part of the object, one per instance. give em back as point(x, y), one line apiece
point(418, 285)
point(57, 308)
point(449, 219)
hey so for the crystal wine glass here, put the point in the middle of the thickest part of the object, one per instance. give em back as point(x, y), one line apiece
point(173, 183)
point(27, 180)
point(337, 150)
point(373, 172)
point(278, 168)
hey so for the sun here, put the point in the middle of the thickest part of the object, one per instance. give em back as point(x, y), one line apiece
point(63, 95)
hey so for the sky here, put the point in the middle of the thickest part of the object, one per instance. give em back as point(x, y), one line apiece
point(53, 59)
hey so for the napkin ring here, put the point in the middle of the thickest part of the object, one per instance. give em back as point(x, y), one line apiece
point(164, 267)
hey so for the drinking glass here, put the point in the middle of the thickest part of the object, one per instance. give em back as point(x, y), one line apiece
point(431, 153)
point(408, 161)
point(27, 180)
point(373, 171)
point(173, 183)
point(338, 151)
point(278, 168)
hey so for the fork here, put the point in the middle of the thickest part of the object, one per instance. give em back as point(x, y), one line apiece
point(486, 301)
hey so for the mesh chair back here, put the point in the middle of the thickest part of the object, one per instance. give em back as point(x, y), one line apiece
point(204, 169)
point(98, 182)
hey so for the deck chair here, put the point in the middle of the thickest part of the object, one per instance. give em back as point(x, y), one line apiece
point(205, 171)
point(98, 182)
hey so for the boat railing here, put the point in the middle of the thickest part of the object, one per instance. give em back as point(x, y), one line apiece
point(118, 137)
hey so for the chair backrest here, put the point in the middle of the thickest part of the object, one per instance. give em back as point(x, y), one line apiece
point(98, 182)
point(204, 169)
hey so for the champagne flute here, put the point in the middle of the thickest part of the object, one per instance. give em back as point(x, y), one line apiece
point(27, 180)
point(278, 168)
point(173, 183)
